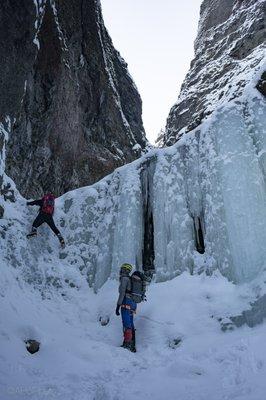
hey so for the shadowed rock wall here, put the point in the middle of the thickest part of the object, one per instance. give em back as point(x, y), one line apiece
point(75, 111)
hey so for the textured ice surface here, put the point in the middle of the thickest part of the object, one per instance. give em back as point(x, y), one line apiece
point(198, 205)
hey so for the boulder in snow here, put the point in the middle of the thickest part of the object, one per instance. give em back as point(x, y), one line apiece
point(174, 343)
point(104, 320)
point(32, 346)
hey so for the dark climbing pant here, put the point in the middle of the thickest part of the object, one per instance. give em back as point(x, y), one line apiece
point(48, 219)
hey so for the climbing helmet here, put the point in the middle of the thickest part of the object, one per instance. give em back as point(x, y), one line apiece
point(126, 267)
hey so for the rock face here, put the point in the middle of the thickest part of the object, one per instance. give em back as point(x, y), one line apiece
point(228, 46)
point(75, 111)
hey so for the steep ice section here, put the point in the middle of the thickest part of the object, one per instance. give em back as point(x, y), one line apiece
point(244, 197)
point(199, 204)
point(105, 225)
point(173, 239)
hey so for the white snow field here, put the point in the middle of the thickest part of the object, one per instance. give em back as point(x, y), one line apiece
point(81, 359)
point(197, 212)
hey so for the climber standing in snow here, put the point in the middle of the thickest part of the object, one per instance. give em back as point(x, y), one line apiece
point(47, 205)
point(131, 291)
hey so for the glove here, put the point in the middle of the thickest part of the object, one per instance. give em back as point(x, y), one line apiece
point(117, 310)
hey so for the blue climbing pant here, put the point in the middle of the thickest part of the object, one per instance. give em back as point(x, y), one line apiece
point(128, 308)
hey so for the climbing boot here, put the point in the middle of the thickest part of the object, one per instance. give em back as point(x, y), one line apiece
point(128, 340)
point(32, 234)
point(61, 240)
point(129, 346)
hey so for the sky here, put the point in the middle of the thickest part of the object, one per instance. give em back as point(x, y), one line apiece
point(156, 39)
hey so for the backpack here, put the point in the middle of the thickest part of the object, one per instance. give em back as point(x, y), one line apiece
point(138, 287)
point(48, 204)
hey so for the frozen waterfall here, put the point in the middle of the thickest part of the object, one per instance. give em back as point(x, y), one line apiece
point(198, 205)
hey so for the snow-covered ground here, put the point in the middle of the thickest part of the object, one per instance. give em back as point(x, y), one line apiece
point(207, 190)
point(215, 175)
point(81, 359)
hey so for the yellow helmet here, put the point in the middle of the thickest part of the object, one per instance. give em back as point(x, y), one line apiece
point(126, 267)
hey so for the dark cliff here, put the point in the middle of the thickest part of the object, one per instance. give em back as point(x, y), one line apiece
point(75, 112)
point(229, 45)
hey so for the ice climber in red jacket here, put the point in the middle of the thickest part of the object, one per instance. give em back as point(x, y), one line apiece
point(47, 205)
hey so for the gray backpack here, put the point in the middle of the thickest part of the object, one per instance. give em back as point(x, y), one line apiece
point(138, 287)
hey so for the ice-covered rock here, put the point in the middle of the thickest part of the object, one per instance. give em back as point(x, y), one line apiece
point(198, 205)
point(229, 51)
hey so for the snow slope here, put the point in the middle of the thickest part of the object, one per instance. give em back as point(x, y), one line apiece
point(81, 359)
